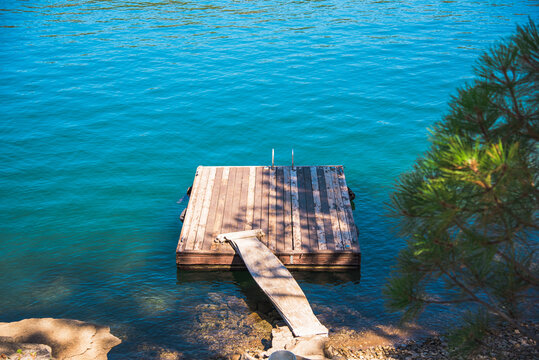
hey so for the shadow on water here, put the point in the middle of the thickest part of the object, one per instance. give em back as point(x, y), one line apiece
point(245, 280)
point(327, 278)
point(229, 321)
point(253, 295)
point(244, 320)
point(246, 284)
point(368, 332)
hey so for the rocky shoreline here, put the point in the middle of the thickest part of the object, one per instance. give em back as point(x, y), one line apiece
point(231, 330)
point(502, 343)
point(35, 339)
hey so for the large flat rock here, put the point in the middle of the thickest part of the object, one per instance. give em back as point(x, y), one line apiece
point(73, 339)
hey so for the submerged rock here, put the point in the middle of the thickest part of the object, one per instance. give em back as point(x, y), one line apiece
point(73, 339)
point(227, 327)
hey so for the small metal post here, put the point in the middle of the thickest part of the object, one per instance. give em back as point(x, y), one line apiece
point(292, 158)
point(272, 158)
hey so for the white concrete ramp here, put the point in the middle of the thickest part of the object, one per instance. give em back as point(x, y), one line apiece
point(276, 282)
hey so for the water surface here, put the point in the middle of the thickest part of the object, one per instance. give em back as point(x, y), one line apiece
point(108, 107)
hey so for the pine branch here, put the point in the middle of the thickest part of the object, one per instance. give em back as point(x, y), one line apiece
point(469, 206)
point(509, 86)
point(494, 309)
point(522, 271)
point(444, 302)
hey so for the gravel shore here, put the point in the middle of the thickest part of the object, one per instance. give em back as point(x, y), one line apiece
point(502, 343)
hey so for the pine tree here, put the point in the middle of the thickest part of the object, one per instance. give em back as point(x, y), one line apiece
point(468, 208)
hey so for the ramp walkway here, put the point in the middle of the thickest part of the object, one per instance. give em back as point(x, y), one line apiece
point(275, 281)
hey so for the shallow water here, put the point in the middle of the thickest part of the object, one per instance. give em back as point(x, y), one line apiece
point(108, 107)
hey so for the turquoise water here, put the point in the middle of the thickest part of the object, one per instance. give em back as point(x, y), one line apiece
point(108, 107)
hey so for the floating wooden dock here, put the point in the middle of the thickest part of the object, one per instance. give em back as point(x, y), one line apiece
point(304, 211)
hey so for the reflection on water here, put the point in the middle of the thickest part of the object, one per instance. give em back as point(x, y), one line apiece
point(108, 107)
point(241, 277)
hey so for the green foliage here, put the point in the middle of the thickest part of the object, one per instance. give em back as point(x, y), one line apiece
point(469, 207)
point(465, 339)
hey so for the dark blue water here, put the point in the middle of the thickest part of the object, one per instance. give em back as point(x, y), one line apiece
point(108, 107)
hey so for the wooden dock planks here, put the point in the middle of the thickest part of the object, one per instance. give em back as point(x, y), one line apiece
point(318, 215)
point(305, 212)
point(294, 195)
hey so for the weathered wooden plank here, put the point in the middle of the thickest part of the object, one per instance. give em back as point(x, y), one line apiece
point(319, 216)
point(236, 196)
point(348, 207)
point(242, 205)
point(228, 217)
point(257, 233)
point(328, 227)
point(306, 242)
point(296, 225)
point(201, 231)
point(264, 223)
point(332, 203)
point(279, 285)
point(272, 219)
point(207, 241)
point(287, 210)
point(189, 212)
point(343, 221)
point(313, 228)
point(257, 215)
point(197, 211)
point(249, 214)
point(279, 233)
point(222, 177)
